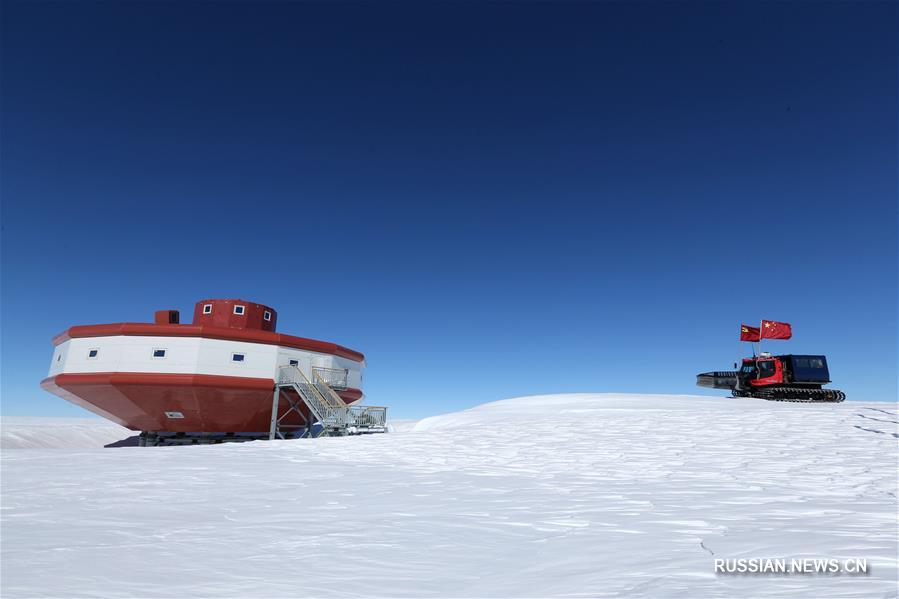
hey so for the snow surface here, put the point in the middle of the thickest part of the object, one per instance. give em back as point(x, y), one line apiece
point(19, 432)
point(569, 495)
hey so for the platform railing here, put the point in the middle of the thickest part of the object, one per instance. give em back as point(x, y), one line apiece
point(336, 378)
point(368, 416)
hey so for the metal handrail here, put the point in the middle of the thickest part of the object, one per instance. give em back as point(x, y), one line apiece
point(327, 413)
point(327, 405)
point(368, 416)
point(362, 416)
point(326, 391)
point(336, 378)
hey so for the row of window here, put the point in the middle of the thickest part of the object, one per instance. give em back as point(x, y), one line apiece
point(808, 362)
point(92, 354)
point(160, 353)
point(239, 310)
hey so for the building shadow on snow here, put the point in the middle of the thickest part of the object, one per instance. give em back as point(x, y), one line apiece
point(133, 441)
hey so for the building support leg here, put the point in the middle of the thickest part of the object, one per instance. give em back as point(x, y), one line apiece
point(274, 426)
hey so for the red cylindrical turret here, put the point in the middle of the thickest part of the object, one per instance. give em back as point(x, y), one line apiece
point(235, 314)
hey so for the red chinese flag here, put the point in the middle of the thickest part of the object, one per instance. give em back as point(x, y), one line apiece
point(748, 333)
point(772, 329)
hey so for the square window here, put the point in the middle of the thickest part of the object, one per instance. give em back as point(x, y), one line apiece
point(238, 309)
point(158, 353)
point(237, 357)
point(207, 308)
point(294, 362)
point(93, 353)
point(267, 315)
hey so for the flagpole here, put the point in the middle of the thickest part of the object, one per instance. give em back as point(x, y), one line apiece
point(758, 374)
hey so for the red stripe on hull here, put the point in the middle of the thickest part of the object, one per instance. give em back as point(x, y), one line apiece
point(209, 404)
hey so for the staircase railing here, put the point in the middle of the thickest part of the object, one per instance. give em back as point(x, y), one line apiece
point(326, 406)
point(326, 391)
point(359, 416)
point(323, 407)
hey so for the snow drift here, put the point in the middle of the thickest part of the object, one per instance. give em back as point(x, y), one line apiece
point(59, 433)
point(574, 495)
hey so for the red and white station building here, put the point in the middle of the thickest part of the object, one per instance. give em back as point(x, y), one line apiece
point(215, 375)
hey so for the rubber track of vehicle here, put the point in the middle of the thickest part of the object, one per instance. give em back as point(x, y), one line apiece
point(784, 393)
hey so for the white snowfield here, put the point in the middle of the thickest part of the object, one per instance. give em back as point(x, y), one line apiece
point(587, 495)
point(64, 433)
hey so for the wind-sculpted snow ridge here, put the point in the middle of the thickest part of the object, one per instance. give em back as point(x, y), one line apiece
point(19, 432)
point(590, 495)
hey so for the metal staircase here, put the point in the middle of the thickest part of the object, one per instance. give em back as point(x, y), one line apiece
point(326, 408)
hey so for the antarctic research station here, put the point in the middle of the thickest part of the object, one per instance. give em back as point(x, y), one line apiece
point(227, 376)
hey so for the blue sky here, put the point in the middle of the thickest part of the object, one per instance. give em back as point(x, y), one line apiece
point(488, 200)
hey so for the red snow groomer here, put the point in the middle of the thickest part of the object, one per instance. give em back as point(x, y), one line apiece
point(777, 378)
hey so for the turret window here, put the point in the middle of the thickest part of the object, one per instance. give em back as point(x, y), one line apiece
point(207, 308)
point(267, 315)
point(237, 357)
point(92, 353)
point(239, 310)
point(158, 353)
point(294, 362)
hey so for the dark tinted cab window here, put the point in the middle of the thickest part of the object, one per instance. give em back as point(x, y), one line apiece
point(766, 369)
